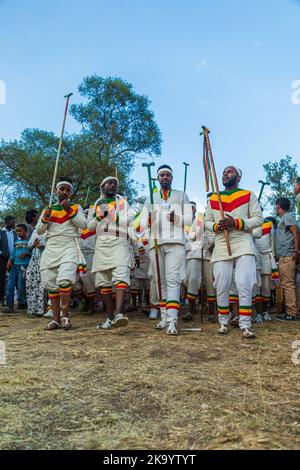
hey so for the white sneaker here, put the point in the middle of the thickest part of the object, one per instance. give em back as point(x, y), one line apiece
point(162, 324)
point(249, 334)
point(259, 318)
point(267, 316)
point(153, 314)
point(105, 326)
point(119, 320)
point(223, 330)
point(171, 328)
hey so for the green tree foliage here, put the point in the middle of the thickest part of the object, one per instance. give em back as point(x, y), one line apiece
point(282, 177)
point(116, 119)
point(117, 127)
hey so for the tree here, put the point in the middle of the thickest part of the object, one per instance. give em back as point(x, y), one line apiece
point(117, 126)
point(117, 120)
point(282, 177)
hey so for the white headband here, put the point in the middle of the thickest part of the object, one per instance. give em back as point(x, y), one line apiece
point(60, 183)
point(165, 170)
point(239, 172)
point(108, 178)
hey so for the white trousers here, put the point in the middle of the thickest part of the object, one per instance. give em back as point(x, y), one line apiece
point(65, 273)
point(266, 285)
point(209, 281)
point(245, 279)
point(154, 300)
point(172, 264)
point(193, 276)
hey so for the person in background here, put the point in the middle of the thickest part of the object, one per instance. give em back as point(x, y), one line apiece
point(297, 194)
point(7, 239)
point(286, 250)
point(35, 292)
point(31, 218)
point(17, 265)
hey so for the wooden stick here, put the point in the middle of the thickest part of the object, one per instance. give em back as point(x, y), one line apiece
point(206, 131)
point(59, 149)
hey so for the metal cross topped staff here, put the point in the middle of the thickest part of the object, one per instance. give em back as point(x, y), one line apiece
point(59, 149)
point(185, 175)
point(153, 226)
point(263, 184)
point(208, 155)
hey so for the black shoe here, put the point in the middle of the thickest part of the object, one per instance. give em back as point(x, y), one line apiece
point(8, 310)
point(188, 317)
point(291, 318)
point(22, 307)
point(281, 317)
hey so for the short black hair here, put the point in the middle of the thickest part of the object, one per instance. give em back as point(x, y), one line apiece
point(23, 226)
point(298, 180)
point(167, 167)
point(65, 178)
point(284, 203)
point(192, 202)
point(8, 218)
point(30, 215)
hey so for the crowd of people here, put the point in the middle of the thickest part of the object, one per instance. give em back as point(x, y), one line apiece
point(165, 256)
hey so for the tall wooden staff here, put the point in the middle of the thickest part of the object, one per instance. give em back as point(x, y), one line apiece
point(59, 149)
point(209, 154)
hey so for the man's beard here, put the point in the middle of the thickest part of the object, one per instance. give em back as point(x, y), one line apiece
point(231, 182)
point(110, 193)
point(165, 185)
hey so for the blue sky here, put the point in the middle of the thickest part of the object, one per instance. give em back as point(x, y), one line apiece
point(228, 64)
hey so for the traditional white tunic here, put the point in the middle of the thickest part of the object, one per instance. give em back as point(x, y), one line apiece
point(62, 248)
point(62, 234)
point(243, 206)
point(112, 245)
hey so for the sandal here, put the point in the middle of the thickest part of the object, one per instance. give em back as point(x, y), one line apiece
point(53, 325)
point(66, 323)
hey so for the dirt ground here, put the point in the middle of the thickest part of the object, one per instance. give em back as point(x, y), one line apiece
point(137, 388)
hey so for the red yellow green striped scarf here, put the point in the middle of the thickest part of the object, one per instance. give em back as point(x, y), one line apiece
point(231, 200)
point(86, 233)
point(267, 227)
point(59, 215)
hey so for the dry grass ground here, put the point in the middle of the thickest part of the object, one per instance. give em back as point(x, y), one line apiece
point(136, 388)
